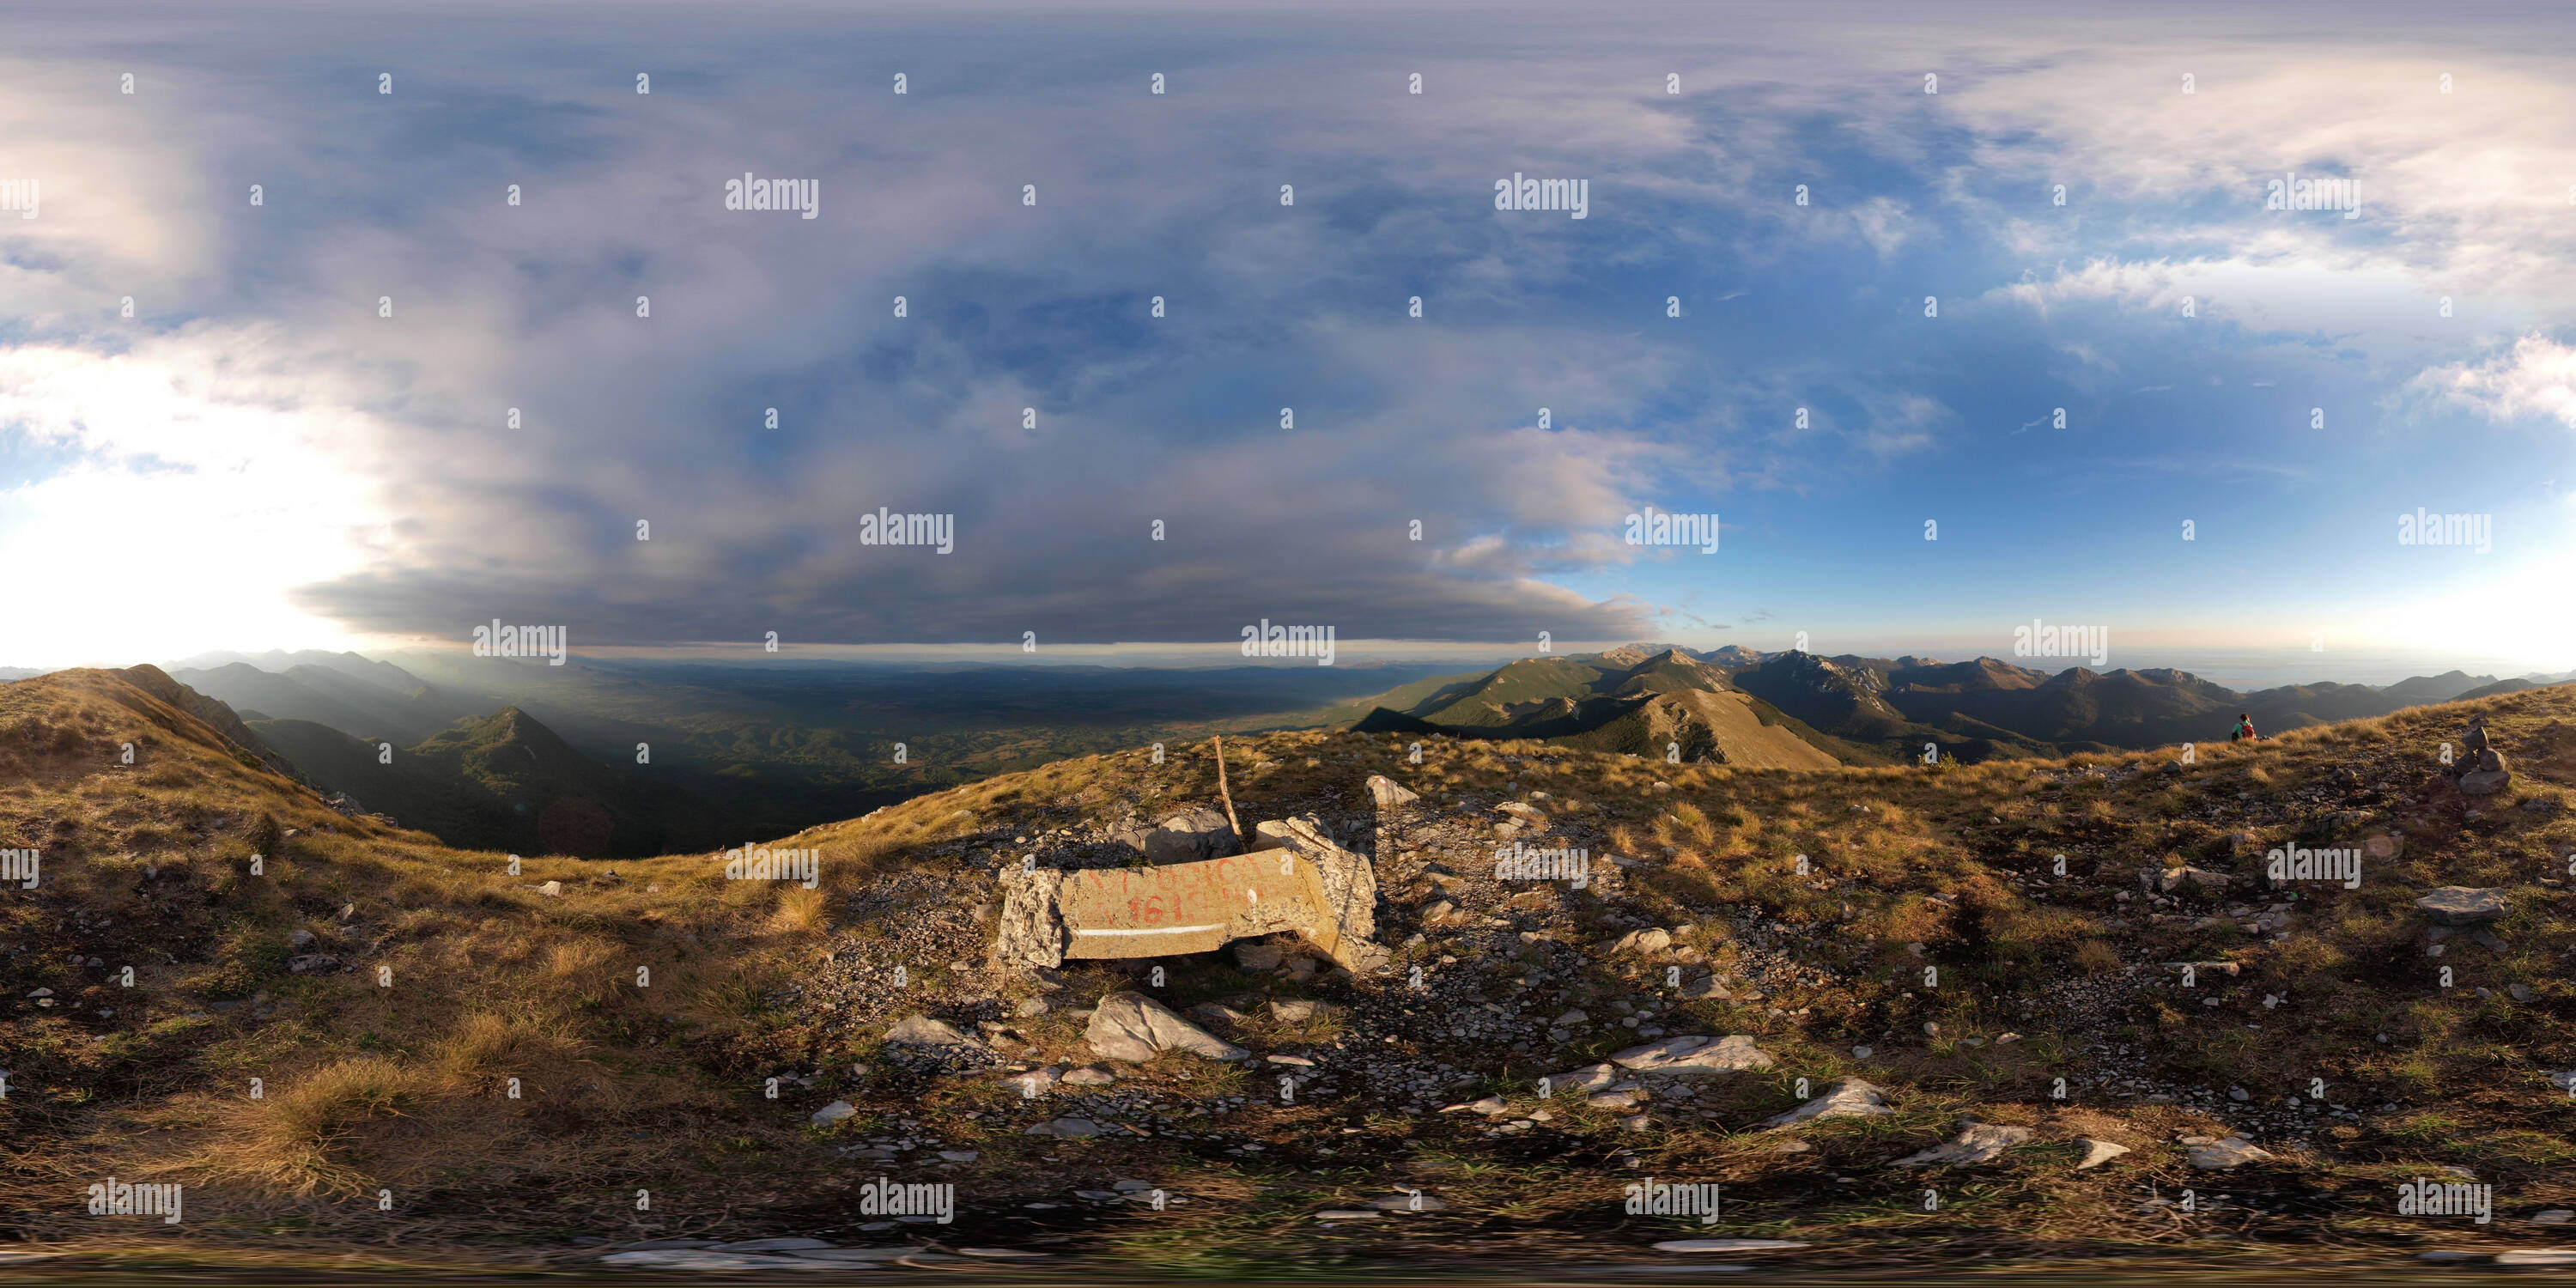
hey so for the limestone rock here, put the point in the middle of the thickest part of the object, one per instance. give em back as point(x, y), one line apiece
point(1976, 1143)
point(1644, 942)
point(1726, 1245)
point(834, 1112)
point(1300, 1010)
point(2463, 905)
point(1850, 1097)
point(1696, 1055)
point(921, 1030)
point(1032, 931)
point(1190, 836)
point(1063, 1128)
point(1136, 1028)
point(1594, 1078)
point(1387, 794)
point(2218, 1156)
point(2172, 879)
point(2098, 1152)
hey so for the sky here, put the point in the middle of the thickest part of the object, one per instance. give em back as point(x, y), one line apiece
point(282, 363)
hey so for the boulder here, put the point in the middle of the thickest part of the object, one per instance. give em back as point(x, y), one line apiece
point(1850, 1097)
point(1976, 1143)
point(2463, 905)
point(1190, 836)
point(1136, 1028)
point(1387, 794)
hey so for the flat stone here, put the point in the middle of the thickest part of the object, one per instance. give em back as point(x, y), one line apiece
point(921, 1030)
point(2463, 905)
point(2537, 1257)
point(1067, 1128)
point(1734, 1053)
point(1850, 1097)
point(1590, 1078)
point(1726, 1245)
point(1258, 957)
point(1035, 1082)
point(2218, 1156)
point(834, 1112)
point(703, 1259)
point(1976, 1143)
point(2484, 782)
point(2098, 1152)
point(1136, 1028)
point(1300, 1010)
point(1088, 1077)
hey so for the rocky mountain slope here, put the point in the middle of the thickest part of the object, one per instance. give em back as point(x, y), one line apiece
point(2019, 1011)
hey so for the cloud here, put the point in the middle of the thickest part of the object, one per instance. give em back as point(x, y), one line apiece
point(2536, 378)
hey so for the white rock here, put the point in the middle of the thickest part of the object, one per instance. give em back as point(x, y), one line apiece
point(833, 1112)
point(2217, 1156)
point(1850, 1097)
point(551, 889)
point(1136, 1028)
point(1976, 1143)
point(2537, 1257)
point(1386, 792)
point(921, 1030)
point(2098, 1152)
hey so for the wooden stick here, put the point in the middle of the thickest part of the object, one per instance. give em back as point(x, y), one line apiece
point(1241, 841)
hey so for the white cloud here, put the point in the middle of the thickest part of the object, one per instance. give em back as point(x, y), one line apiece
point(2537, 378)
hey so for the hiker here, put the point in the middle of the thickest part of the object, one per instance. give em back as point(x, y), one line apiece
point(2244, 729)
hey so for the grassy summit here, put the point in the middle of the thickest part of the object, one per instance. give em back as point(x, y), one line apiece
point(386, 990)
